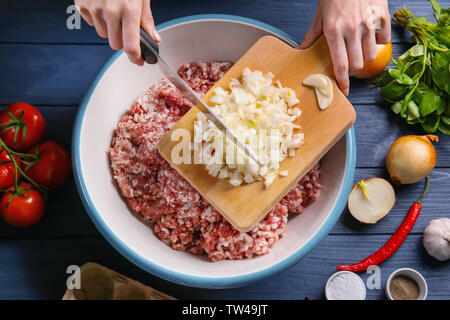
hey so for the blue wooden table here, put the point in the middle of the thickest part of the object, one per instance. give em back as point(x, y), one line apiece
point(51, 67)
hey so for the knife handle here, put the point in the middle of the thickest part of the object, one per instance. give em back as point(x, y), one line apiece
point(147, 54)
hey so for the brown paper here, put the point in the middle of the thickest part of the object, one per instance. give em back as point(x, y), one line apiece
point(101, 283)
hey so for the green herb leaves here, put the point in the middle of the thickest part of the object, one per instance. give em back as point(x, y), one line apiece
point(419, 85)
point(431, 102)
point(440, 70)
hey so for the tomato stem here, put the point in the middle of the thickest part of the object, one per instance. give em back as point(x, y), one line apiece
point(16, 123)
point(17, 169)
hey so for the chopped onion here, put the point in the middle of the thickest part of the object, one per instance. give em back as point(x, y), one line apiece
point(371, 199)
point(411, 158)
point(262, 116)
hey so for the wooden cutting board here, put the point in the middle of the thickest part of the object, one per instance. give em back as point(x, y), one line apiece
point(246, 205)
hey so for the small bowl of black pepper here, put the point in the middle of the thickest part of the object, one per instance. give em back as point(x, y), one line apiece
point(406, 284)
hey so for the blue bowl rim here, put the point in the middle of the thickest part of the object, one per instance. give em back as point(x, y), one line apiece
point(186, 279)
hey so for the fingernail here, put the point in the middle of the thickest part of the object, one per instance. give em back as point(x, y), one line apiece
point(156, 35)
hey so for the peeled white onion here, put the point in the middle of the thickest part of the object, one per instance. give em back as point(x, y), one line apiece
point(411, 158)
point(371, 199)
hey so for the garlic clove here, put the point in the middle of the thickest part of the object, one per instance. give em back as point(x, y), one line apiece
point(328, 90)
point(323, 100)
point(323, 91)
point(371, 199)
point(323, 87)
point(316, 80)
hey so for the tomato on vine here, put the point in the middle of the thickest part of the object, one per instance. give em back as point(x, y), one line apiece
point(52, 167)
point(7, 169)
point(22, 207)
point(21, 126)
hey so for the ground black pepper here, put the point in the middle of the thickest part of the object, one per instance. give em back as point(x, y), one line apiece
point(404, 288)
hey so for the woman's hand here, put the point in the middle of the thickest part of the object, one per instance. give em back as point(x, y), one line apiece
point(352, 28)
point(119, 21)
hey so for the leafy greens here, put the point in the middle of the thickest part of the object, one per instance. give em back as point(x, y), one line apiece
point(419, 85)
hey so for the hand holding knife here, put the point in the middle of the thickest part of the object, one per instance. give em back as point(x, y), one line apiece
point(150, 53)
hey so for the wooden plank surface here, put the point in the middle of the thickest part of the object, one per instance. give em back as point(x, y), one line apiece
point(49, 74)
point(60, 74)
point(45, 21)
point(36, 269)
point(44, 63)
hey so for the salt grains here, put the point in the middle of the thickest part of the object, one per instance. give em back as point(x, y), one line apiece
point(345, 285)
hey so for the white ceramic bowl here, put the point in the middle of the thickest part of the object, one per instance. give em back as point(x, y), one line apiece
point(195, 38)
point(328, 286)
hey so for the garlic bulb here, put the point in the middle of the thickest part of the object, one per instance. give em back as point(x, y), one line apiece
point(436, 239)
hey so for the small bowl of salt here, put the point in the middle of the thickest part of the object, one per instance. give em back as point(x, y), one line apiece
point(345, 285)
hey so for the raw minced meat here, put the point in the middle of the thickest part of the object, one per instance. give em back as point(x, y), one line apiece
point(201, 77)
point(159, 195)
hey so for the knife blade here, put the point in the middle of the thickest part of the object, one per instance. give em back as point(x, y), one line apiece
point(150, 52)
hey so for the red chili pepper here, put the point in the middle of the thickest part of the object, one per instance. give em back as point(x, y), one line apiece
point(393, 243)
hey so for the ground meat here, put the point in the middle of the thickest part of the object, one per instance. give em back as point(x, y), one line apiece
point(158, 194)
point(201, 77)
point(304, 192)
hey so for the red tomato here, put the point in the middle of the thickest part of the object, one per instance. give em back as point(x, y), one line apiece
point(23, 210)
point(24, 114)
point(7, 170)
point(53, 167)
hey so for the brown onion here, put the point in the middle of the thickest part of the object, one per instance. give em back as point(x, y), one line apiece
point(411, 158)
point(371, 199)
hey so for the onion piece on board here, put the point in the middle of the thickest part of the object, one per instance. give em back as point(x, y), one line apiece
point(371, 199)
